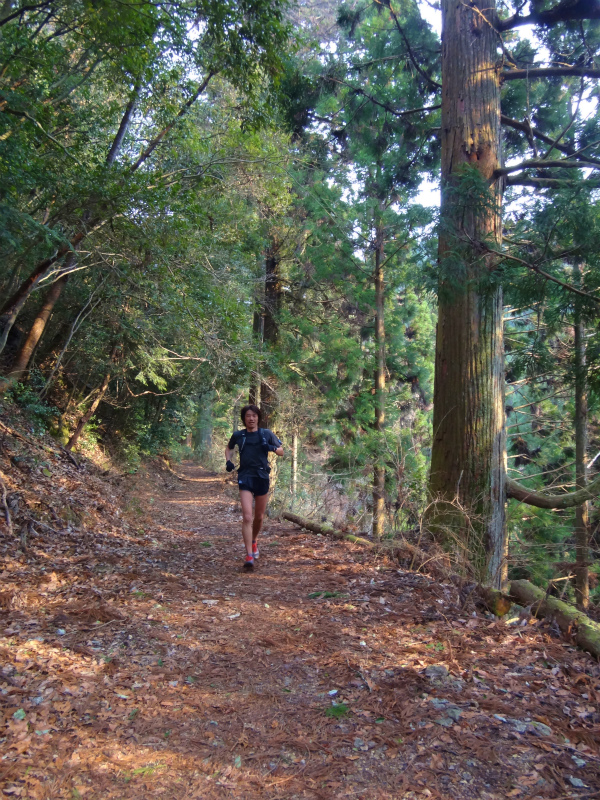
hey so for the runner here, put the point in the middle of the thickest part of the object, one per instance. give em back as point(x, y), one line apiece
point(254, 445)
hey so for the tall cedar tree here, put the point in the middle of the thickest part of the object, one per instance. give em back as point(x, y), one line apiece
point(468, 472)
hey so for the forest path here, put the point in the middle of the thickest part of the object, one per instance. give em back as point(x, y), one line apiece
point(176, 674)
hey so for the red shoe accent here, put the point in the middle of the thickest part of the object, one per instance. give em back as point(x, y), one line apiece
point(255, 550)
point(249, 562)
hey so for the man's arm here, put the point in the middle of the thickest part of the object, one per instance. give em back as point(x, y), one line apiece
point(276, 445)
point(229, 465)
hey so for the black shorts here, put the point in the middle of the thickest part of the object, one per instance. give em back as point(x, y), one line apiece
point(258, 486)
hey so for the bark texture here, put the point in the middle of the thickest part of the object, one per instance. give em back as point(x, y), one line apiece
point(23, 357)
point(582, 578)
point(379, 469)
point(268, 393)
point(468, 455)
point(257, 333)
point(294, 465)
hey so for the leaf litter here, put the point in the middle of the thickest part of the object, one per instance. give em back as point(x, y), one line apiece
point(137, 662)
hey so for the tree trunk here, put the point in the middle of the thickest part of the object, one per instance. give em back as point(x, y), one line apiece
point(15, 303)
point(124, 126)
point(158, 414)
point(294, 466)
point(268, 403)
point(379, 469)
point(236, 416)
point(582, 586)
point(257, 334)
point(468, 455)
point(23, 357)
point(88, 414)
point(268, 393)
point(204, 424)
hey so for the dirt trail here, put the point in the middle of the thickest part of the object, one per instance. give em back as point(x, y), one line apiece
point(143, 662)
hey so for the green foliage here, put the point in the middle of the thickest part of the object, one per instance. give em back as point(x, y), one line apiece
point(337, 711)
point(41, 415)
point(319, 145)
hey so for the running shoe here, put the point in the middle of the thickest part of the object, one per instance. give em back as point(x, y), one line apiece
point(255, 550)
point(249, 563)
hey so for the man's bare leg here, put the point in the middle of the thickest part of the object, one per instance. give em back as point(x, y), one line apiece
point(260, 506)
point(246, 501)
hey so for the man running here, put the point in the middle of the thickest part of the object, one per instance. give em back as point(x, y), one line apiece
point(254, 445)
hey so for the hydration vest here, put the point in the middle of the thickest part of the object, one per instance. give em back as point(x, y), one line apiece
point(243, 433)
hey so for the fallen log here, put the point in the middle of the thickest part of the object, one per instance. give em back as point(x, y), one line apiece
point(397, 549)
point(326, 530)
point(584, 630)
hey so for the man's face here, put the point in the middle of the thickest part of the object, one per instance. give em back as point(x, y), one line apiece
point(251, 419)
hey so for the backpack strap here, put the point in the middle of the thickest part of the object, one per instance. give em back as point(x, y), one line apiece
point(241, 439)
point(242, 435)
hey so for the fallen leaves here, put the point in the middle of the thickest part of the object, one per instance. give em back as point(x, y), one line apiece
point(170, 660)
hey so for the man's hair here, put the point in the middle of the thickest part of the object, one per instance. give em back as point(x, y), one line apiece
point(250, 407)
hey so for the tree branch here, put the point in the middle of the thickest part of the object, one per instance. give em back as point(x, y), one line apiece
point(564, 11)
point(528, 130)
point(25, 115)
point(411, 55)
point(515, 491)
point(550, 72)
point(182, 112)
point(27, 285)
point(120, 135)
point(386, 106)
point(537, 164)
point(550, 183)
point(17, 13)
point(541, 183)
point(546, 275)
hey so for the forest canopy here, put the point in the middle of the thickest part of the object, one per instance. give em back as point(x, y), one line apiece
point(208, 203)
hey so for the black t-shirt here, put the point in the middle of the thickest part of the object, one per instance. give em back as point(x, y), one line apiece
point(253, 460)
